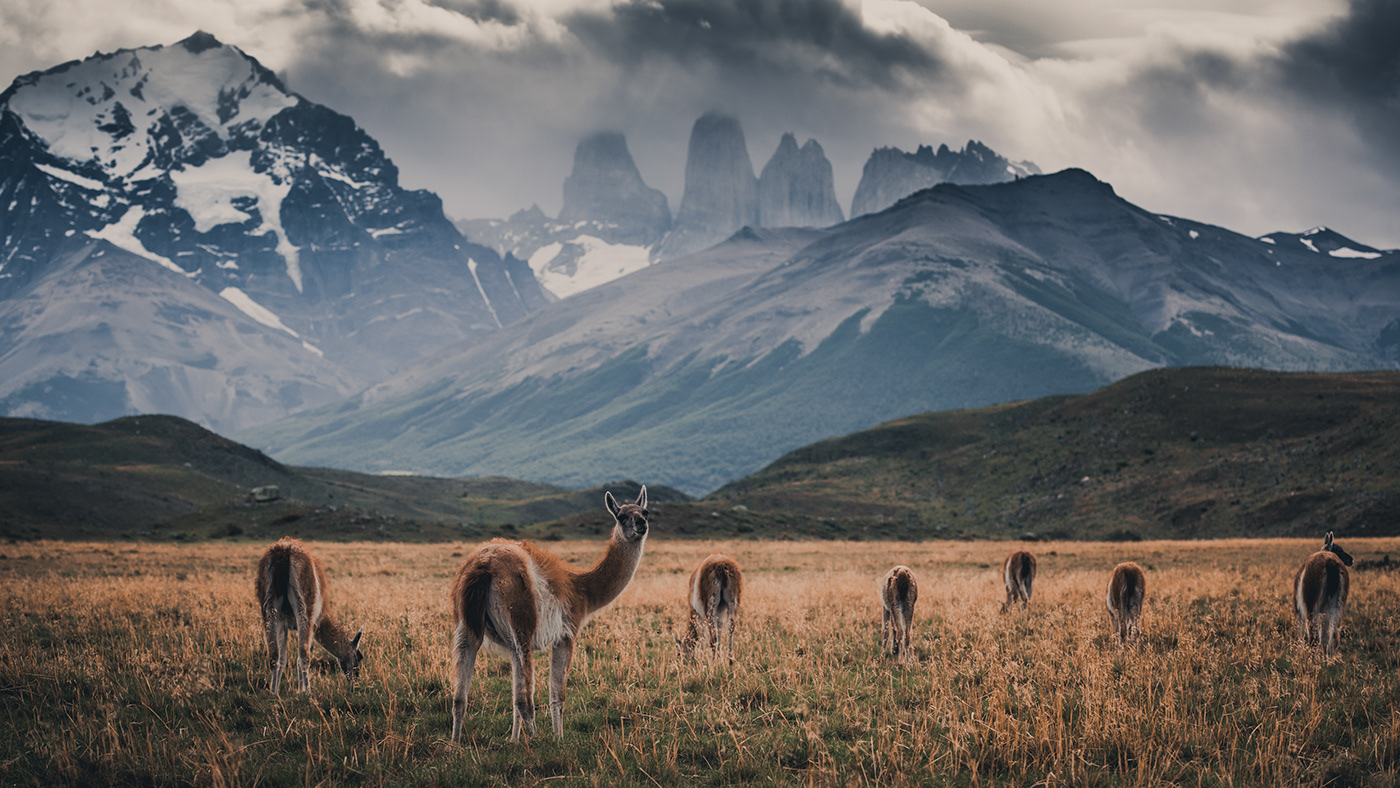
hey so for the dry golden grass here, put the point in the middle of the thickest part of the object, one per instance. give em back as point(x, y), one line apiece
point(145, 664)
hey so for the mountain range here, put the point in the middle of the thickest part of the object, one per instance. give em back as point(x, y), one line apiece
point(181, 234)
point(696, 371)
point(612, 223)
point(288, 268)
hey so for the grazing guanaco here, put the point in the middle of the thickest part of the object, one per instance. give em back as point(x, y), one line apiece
point(715, 588)
point(1018, 573)
point(516, 598)
point(1126, 588)
point(291, 591)
point(898, 593)
point(1320, 596)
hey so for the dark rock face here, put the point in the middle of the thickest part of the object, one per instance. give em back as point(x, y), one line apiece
point(195, 157)
point(796, 188)
point(890, 174)
point(721, 192)
point(605, 188)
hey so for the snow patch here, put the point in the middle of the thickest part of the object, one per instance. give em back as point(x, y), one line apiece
point(71, 177)
point(253, 309)
point(122, 234)
point(1194, 235)
point(1267, 240)
point(589, 261)
point(471, 266)
point(1308, 243)
point(207, 194)
point(543, 256)
point(1354, 253)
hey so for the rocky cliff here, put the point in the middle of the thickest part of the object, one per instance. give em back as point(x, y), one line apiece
point(606, 190)
point(721, 192)
point(796, 188)
point(890, 174)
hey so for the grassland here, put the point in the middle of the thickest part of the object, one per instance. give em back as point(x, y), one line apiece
point(144, 664)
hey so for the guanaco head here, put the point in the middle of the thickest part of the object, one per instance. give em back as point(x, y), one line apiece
point(630, 517)
point(351, 663)
point(1336, 549)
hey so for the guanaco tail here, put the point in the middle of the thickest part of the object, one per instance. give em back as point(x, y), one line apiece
point(898, 593)
point(291, 591)
point(1018, 573)
point(1126, 588)
point(715, 588)
point(1320, 591)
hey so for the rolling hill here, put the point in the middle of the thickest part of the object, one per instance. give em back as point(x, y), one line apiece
point(161, 477)
point(1173, 453)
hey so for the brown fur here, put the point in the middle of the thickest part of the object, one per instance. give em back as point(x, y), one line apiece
point(1320, 590)
point(517, 598)
point(713, 596)
point(1126, 589)
point(1018, 573)
point(898, 593)
point(290, 586)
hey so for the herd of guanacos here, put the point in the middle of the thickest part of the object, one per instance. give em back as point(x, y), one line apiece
point(515, 598)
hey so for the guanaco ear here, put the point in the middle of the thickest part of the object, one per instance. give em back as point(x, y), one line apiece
point(356, 642)
point(611, 503)
point(642, 497)
point(1327, 541)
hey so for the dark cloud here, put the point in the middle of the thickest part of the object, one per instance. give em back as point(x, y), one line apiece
point(1353, 66)
point(821, 39)
point(481, 10)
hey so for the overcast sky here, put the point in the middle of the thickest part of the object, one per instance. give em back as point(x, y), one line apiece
point(1258, 115)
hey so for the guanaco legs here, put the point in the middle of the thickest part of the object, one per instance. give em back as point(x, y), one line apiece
point(1018, 573)
point(1126, 588)
point(715, 588)
point(516, 598)
point(898, 593)
point(291, 590)
point(1320, 596)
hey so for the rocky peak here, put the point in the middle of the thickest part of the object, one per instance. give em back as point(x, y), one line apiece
point(605, 188)
point(890, 174)
point(796, 188)
point(721, 192)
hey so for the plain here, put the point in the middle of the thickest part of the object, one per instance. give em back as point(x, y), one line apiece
point(144, 664)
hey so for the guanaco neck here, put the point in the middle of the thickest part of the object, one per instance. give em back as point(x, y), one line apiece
point(335, 639)
point(601, 584)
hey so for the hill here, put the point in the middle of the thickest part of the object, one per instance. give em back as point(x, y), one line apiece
point(160, 477)
point(1172, 453)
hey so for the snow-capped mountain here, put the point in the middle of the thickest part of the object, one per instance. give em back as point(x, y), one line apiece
point(890, 174)
point(195, 157)
point(703, 369)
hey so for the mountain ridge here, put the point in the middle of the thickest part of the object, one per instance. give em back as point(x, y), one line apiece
point(957, 296)
point(195, 157)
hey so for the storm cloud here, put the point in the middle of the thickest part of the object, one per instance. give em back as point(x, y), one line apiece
point(1257, 115)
